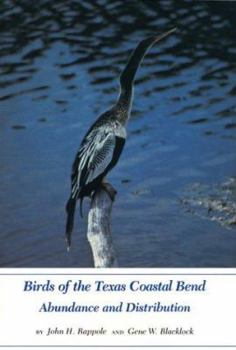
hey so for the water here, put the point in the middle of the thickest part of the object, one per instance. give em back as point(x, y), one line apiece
point(59, 66)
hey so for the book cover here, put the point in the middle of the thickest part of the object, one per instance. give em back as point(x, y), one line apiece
point(151, 260)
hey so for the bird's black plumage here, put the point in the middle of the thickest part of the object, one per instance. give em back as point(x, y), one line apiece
point(102, 145)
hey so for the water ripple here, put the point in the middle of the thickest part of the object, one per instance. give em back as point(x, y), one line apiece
point(59, 67)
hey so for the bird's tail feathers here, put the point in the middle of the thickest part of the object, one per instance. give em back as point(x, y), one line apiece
point(70, 208)
point(81, 207)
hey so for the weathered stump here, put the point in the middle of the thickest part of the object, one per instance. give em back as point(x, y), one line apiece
point(99, 227)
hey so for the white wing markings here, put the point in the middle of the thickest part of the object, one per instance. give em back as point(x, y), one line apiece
point(103, 154)
point(95, 155)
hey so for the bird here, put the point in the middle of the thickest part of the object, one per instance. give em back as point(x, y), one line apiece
point(102, 145)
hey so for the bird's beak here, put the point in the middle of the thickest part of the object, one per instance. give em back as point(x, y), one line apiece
point(163, 35)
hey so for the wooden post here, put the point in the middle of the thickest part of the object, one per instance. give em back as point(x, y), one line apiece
point(99, 227)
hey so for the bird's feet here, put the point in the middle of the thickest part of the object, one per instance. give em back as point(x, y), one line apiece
point(111, 191)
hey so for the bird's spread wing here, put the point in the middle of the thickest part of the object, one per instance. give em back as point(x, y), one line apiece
point(93, 158)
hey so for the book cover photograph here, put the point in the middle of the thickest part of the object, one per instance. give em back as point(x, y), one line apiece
point(117, 137)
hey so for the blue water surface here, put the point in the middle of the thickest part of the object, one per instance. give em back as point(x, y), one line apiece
point(59, 63)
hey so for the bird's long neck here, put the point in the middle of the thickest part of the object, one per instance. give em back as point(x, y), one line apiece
point(128, 74)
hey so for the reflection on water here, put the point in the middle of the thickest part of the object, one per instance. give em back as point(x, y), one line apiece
point(59, 66)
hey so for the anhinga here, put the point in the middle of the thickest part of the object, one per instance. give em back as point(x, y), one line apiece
point(104, 141)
